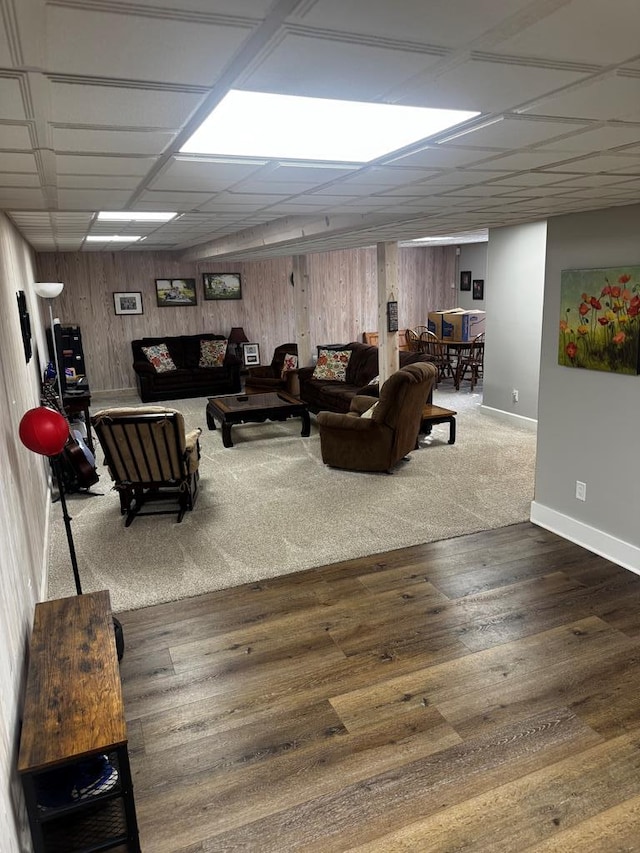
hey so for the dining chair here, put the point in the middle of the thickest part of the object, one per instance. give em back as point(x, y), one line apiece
point(471, 361)
point(438, 353)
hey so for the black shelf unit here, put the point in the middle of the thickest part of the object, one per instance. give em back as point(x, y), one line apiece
point(68, 341)
point(85, 826)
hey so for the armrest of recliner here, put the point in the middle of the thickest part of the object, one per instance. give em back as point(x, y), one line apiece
point(338, 420)
point(191, 439)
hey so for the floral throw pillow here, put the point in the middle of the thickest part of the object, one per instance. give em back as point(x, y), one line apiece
point(290, 363)
point(212, 353)
point(160, 358)
point(332, 364)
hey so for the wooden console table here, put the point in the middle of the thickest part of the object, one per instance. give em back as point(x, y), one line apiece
point(73, 712)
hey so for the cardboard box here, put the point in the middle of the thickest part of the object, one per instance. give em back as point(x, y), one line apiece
point(462, 325)
point(435, 318)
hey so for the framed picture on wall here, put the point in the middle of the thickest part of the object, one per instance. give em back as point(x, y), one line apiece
point(128, 303)
point(465, 280)
point(478, 288)
point(175, 292)
point(251, 355)
point(222, 285)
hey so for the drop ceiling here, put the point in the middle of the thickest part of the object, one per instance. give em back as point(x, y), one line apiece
point(98, 96)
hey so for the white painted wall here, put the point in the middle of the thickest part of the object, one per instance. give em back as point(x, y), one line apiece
point(23, 521)
point(588, 422)
point(473, 257)
point(513, 297)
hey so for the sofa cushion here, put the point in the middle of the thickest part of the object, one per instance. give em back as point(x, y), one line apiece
point(290, 363)
point(212, 353)
point(160, 358)
point(332, 364)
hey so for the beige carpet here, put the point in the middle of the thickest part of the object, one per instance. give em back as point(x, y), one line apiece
point(268, 506)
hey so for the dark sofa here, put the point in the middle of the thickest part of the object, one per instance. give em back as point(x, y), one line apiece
point(188, 380)
point(329, 395)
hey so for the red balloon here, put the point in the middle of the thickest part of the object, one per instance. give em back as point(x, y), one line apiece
point(44, 431)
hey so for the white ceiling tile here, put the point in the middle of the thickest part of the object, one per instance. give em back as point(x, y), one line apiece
point(521, 161)
point(117, 141)
point(76, 164)
point(11, 99)
point(104, 182)
point(451, 24)
point(20, 197)
point(121, 106)
point(334, 69)
point(510, 132)
point(608, 98)
point(598, 139)
point(18, 179)
point(606, 33)
point(97, 43)
point(444, 156)
point(600, 163)
point(173, 200)
point(97, 199)
point(15, 136)
point(201, 176)
point(12, 161)
point(485, 86)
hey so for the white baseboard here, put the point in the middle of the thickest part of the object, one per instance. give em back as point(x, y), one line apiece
point(623, 553)
point(511, 417)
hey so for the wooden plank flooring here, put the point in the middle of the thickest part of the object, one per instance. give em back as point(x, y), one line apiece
point(477, 694)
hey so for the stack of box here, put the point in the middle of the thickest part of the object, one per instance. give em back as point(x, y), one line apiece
point(435, 320)
point(462, 325)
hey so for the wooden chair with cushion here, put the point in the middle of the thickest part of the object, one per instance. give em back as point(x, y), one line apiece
point(376, 439)
point(150, 458)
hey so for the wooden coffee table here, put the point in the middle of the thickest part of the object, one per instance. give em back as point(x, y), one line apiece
point(438, 415)
point(255, 408)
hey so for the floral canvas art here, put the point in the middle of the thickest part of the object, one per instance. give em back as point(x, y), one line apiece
point(600, 319)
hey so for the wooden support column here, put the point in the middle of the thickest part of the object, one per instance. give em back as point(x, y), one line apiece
point(301, 309)
point(388, 358)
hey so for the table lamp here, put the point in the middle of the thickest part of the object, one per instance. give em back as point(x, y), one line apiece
point(236, 338)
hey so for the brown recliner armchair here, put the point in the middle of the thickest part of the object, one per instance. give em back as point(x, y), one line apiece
point(269, 377)
point(150, 457)
point(377, 439)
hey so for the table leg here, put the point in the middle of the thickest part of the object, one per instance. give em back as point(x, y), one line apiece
point(452, 430)
point(306, 424)
point(226, 434)
point(211, 423)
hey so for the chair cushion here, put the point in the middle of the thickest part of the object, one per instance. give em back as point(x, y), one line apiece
point(332, 364)
point(212, 353)
point(290, 363)
point(160, 358)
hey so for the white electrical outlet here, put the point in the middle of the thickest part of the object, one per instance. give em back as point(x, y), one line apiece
point(581, 491)
point(514, 395)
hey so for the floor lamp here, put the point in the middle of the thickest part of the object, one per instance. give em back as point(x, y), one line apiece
point(45, 431)
point(49, 290)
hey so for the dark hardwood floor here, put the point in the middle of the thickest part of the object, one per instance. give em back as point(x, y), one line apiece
point(475, 694)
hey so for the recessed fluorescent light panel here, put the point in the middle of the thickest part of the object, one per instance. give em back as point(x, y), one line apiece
point(112, 238)
point(141, 216)
point(255, 124)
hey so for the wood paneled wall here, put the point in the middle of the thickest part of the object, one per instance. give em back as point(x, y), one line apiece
point(23, 520)
point(342, 302)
